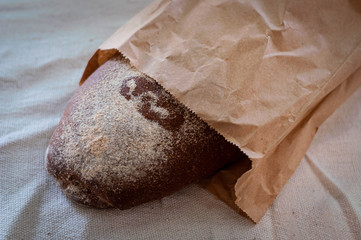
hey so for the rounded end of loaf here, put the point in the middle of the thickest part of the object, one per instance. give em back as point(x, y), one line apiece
point(123, 141)
point(70, 183)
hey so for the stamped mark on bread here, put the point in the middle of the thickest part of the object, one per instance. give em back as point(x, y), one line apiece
point(153, 102)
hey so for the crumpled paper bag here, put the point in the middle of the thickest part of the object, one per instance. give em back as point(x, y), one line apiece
point(264, 74)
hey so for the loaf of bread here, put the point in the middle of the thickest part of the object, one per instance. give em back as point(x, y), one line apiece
point(123, 140)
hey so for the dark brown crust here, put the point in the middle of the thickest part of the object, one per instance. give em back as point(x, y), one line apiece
point(188, 162)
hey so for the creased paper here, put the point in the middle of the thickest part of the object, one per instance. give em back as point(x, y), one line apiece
point(256, 71)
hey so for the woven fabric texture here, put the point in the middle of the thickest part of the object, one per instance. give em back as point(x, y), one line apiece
point(44, 47)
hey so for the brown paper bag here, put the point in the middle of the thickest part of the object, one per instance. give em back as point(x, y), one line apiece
point(264, 74)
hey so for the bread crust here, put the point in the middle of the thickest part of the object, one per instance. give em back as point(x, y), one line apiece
point(123, 140)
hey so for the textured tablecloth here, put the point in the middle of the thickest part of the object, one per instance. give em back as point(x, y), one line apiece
point(44, 47)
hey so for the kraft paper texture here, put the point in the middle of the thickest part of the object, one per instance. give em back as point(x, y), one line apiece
point(264, 74)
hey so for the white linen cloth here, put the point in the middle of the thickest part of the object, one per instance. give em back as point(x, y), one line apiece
point(44, 47)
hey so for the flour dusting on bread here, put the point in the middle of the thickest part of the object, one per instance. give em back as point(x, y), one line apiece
point(124, 140)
